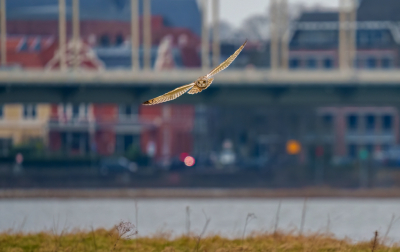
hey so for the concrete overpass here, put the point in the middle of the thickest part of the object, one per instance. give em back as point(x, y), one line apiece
point(231, 87)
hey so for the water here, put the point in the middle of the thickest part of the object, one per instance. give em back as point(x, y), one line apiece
point(353, 218)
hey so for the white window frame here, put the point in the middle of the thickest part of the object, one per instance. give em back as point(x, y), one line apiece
point(65, 111)
point(30, 108)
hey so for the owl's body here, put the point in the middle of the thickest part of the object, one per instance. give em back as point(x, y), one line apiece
point(199, 85)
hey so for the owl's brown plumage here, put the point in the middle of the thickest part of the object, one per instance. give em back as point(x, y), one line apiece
point(196, 89)
point(199, 85)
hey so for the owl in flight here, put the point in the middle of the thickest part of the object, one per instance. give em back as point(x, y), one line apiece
point(199, 85)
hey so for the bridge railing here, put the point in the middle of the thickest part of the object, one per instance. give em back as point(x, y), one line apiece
point(176, 77)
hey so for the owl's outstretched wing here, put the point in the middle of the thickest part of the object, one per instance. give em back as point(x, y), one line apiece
point(171, 95)
point(227, 62)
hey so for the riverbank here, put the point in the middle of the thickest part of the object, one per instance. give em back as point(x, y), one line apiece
point(200, 193)
point(112, 240)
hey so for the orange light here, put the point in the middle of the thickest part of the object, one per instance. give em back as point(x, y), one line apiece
point(189, 161)
point(293, 147)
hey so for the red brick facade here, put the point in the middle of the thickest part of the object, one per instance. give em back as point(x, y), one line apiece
point(168, 126)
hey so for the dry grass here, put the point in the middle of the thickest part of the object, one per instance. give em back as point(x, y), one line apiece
point(112, 240)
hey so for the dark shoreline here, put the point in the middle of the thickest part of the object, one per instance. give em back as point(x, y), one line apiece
point(199, 193)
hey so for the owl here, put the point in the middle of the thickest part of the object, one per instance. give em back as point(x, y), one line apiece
point(199, 85)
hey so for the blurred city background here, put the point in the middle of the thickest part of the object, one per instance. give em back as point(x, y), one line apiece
point(312, 100)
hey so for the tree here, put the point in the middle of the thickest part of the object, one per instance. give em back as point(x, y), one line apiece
point(255, 28)
point(226, 31)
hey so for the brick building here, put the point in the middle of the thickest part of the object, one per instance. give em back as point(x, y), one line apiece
point(348, 129)
point(108, 129)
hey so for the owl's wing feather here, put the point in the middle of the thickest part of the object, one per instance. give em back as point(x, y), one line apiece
point(171, 95)
point(209, 82)
point(194, 90)
point(227, 62)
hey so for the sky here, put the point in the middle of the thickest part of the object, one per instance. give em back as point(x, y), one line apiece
point(235, 11)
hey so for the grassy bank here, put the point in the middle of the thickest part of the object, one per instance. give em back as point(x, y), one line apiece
point(125, 240)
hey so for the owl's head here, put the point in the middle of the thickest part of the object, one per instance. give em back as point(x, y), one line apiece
point(201, 82)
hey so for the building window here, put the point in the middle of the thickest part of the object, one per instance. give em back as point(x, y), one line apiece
point(352, 122)
point(371, 62)
point(64, 109)
point(120, 4)
point(29, 111)
point(128, 110)
point(294, 63)
point(370, 122)
point(24, 46)
point(105, 40)
point(79, 142)
point(311, 63)
point(327, 122)
point(119, 40)
point(5, 146)
point(352, 150)
point(373, 38)
point(75, 111)
point(387, 122)
point(370, 148)
point(386, 63)
point(125, 142)
point(328, 63)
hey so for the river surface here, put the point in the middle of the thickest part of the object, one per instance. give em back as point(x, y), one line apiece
point(353, 218)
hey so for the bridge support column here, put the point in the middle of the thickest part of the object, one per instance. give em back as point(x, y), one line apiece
point(347, 34)
point(279, 30)
point(3, 27)
point(274, 35)
point(147, 34)
point(216, 43)
point(62, 34)
point(75, 33)
point(284, 21)
point(205, 61)
point(135, 36)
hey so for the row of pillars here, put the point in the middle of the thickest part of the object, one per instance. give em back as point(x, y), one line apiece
point(76, 33)
point(279, 28)
point(135, 36)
